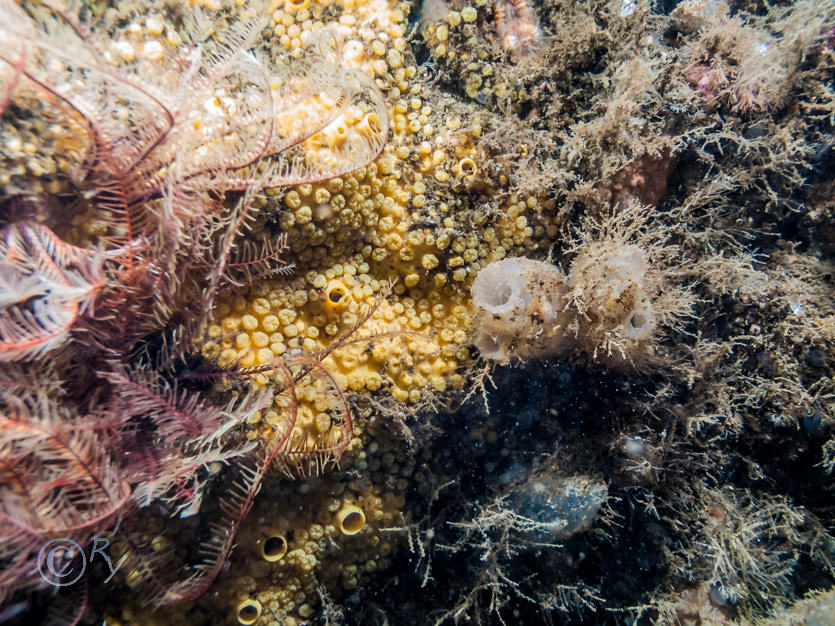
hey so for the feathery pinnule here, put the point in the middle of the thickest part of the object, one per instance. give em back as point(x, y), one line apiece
point(164, 145)
point(172, 156)
point(57, 480)
point(45, 284)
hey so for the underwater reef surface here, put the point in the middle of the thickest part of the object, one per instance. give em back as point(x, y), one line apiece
point(442, 312)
